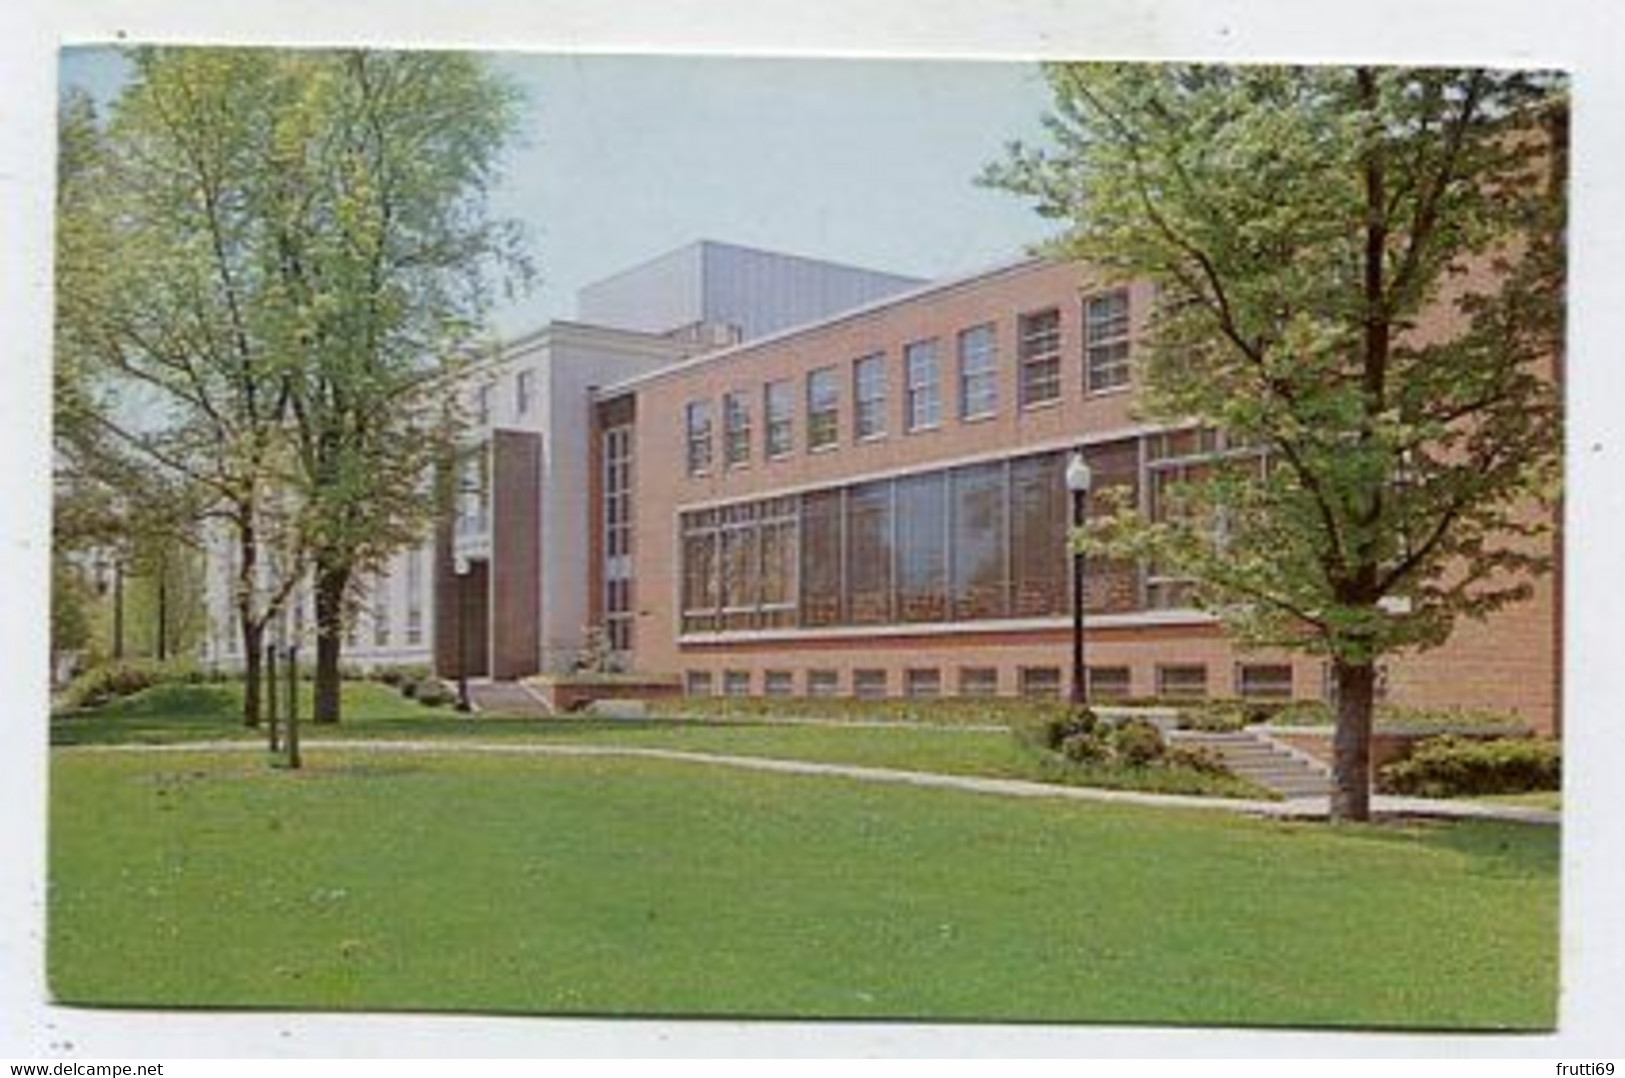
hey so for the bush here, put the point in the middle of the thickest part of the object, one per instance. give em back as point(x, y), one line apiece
point(1137, 743)
point(1200, 759)
point(398, 674)
point(1456, 767)
point(106, 682)
point(433, 693)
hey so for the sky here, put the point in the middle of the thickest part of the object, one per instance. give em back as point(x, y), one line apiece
point(621, 158)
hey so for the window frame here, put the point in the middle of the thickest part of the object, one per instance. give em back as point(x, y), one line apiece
point(1110, 335)
point(1038, 350)
point(869, 397)
point(698, 427)
point(986, 370)
point(823, 409)
point(922, 386)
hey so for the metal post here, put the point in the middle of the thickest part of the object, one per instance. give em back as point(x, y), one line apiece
point(1080, 675)
point(163, 609)
point(270, 697)
point(464, 570)
point(293, 707)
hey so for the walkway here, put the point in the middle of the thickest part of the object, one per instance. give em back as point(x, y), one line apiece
point(1295, 809)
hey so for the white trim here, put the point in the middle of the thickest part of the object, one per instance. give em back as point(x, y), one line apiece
point(1144, 619)
point(900, 471)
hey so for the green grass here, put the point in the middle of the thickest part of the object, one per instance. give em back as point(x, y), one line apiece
point(1538, 799)
point(599, 886)
point(170, 714)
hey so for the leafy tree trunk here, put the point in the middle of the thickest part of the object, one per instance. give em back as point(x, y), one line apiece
point(253, 627)
point(331, 583)
point(1351, 744)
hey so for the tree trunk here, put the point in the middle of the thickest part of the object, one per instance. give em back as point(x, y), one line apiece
point(253, 651)
point(331, 583)
point(1351, 744)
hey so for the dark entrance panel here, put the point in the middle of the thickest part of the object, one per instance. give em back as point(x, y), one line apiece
point(462, 628)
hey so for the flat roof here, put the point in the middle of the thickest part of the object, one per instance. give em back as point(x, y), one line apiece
point(950, 284)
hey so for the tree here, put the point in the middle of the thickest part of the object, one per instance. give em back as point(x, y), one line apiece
point(161, 308)
point(382, 257)
point(1360, 283)
point(294, 247)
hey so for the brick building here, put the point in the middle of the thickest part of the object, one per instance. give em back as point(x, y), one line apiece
point(772, 476)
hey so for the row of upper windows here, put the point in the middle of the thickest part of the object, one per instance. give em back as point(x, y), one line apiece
point(1106, 339)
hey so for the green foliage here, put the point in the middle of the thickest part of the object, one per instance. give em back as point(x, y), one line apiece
point(107, 682)
point(996, 710)
point(1359, 277)
point(1459, 767)
point(432, 692)
point(398, 674)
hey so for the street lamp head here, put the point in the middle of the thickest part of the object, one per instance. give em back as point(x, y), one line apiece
point(1078, 476)
point(461, 566)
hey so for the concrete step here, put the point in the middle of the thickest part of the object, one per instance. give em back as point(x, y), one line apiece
point(1255, 758)
point(505, 698)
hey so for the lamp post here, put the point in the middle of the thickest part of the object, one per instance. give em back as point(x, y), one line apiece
point(1078, 478)
point(462, 567)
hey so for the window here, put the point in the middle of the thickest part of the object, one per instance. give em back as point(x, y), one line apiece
point(1108, 682)
point(473, 488)
point(823, 683)
point(380, 611)
point(978, 681)
point(482, 405)
point(699, 437)
point(779, 683)
point(977, 572)
point(924, 385)
point(1040, 681)
point(823, 408)
point(736, 683)
point(1264, 681)
point(697, 683)
point(869, 391)
point(736, 429)
point(1182, 681)
point(739, 566)
point(921, 523)
point(978, 373)
point(1106, 341)
point(781, 422)
point(868, 554)
point(414, 596)
point(1040, 559)
point(700, 578)
point(922, 683)
point(869, 684)
point(524, 390)
point(618, 615)
point(1039, 352)
point(821, 564)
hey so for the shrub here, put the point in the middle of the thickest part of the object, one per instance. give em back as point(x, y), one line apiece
point(397, 674)
point(1200, 759)
point(1137, 743)
point(1456, 767)
point(433, 693)
point(1086, 747)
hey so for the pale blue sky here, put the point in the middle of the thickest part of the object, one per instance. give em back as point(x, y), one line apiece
point(866, 161)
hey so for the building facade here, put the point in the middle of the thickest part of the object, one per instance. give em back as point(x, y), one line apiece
point(768, 475)
point(874, 505)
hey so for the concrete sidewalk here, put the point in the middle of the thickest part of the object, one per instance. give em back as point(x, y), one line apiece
point(1296, 809)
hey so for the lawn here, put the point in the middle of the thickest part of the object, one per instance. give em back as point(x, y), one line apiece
point(168, 714)
point(613, 886)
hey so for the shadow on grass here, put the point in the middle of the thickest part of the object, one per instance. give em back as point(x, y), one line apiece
point(1501, 849)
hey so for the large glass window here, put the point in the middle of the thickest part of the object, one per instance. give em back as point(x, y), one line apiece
point(781, 421)
point(736, 429)
point(978, 373)
point(1039, 350)
point(821, 574)
point(1039, 526)
point(700, 577)
point(869, 392)
point(823, 408)
point(414, 595)
point(922, 547)
point(738, 588)
point(868, 554)
point(978, 543)
point(778, 526)
point(524, 391)
point(924, 385)
point(698, 422)
point(1106, 340)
